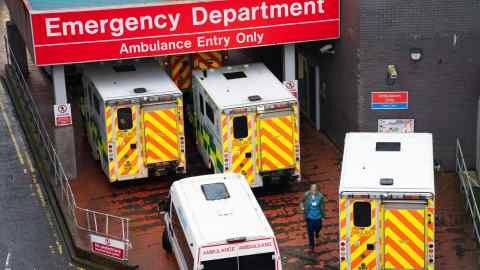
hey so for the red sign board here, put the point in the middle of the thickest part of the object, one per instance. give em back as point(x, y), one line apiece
point(63, 115)
point(163, 29)
point(108, 247)
point(390, 100)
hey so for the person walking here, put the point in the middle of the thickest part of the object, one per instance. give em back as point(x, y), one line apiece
point(313, 206)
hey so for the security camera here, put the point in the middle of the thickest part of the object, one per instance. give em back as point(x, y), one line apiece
point(392, 72)
point(326, 49)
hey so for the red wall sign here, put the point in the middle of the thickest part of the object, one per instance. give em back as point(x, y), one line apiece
point(155, 30)
point(390, 100)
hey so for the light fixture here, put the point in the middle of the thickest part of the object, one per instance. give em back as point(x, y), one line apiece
point(392, 74)
point(416, 54)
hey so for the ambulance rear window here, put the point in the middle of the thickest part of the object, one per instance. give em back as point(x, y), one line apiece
point(240, 127)
point(362, 214)
point(124, 116)
point(215, 191)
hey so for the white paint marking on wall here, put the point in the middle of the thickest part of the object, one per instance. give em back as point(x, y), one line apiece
point(7, 262)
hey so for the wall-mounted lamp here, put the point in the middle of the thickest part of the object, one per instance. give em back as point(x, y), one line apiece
point(416, 54)
point(392, 74)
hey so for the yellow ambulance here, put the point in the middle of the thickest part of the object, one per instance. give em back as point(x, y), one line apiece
point(246, 122)
point(386, 203)
point(134, 119)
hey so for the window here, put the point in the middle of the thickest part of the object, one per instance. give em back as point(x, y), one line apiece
point(96, 103)
point(202, 108)
point(124, 118)
point(388, 147)
point(262, 261)
point(210, 114)
point(362, 214)
point(182, 240)
point(240, 127)
point(215, 191)
point(235, 75)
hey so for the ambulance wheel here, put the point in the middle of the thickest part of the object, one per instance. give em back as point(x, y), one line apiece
point(166, 242)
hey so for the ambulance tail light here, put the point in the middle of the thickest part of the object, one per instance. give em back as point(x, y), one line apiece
point(343, 250)
point(431, 253)
point(236, 240)
point(182, 144)
point(226, 161)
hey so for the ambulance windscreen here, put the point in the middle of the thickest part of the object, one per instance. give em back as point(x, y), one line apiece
point(215, 191)
point(388, 147)
point(235, 75)
point(261, 261)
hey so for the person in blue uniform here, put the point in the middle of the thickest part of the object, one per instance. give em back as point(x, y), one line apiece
point(313, 206)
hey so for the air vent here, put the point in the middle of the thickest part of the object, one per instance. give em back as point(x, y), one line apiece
point(388, 147)
point(386, 181)
point(254, 98)
point(124, 68)
point(139, 90)
point(235, 75)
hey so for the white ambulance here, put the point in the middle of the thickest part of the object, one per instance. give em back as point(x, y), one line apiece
point(387, 202)
point(246, 122)
point(214, 222)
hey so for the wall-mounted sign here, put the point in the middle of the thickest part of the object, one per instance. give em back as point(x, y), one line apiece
point(189, 26)
point(396, 125)
point(63, 115)
point(397, 100)
point(292, 87)
point(108, 247)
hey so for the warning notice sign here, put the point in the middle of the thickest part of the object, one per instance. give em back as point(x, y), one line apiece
point(108, 247)
point(63, 114)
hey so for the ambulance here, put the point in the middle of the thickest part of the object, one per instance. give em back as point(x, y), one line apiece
point(386, 202)
point(134, 119)
point(214, 222)
point(246, 122)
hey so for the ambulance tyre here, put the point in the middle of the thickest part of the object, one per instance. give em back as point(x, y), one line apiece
point(166, 242)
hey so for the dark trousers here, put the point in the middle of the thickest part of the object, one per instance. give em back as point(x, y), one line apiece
point(313, 228)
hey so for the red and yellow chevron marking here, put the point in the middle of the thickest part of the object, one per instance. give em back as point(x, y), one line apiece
point(181, 130)
point(296, 136)
point(431, 229)
point(208, 60)
point(404, 239)
point(360, 257)
point(127, 157)
point(277, 149)
point(181, 71)
point(240, 149)
point(161, 135)
point(109, 125)
point(343, 231)
point(225, 152)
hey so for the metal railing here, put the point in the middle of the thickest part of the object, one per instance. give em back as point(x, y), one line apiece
point(467, 182)
point(110, 226)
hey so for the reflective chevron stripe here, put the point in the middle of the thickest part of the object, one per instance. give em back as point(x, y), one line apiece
point(404, 238)
point(111, 160)
point(277, 148)
point(240, 163)
point(360, 257)
point(161, 135)
point(208, 60)
point(181, 71)
point(343, 233)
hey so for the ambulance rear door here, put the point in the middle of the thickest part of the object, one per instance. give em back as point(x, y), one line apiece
point(276, 147)
point(363, 234)
point(242, 143)
point(127, 141)
point(404, 235)
point(161, 132)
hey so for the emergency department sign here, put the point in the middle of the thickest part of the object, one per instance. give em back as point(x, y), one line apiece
point(162, 29)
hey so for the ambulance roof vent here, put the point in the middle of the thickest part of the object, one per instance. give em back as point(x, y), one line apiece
point(139, 90)
point(235, 75)
point(254, 98)
point(388, 147)
point(124, 68)
point(386, 181)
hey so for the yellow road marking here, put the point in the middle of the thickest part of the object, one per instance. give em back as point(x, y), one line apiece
point(10, 131)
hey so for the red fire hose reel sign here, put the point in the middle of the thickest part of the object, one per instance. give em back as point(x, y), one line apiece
point(63, 115)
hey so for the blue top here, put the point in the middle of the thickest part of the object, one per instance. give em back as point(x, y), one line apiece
point(62, 4)
point(314, 205)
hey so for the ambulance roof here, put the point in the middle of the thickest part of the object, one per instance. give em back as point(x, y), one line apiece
point(215, 221)
point(90, 4)
point(120, 84)
point(231, 87)
point(405, 158)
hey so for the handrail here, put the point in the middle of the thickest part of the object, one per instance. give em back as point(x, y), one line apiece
point(103, 224)
point(466, 181)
